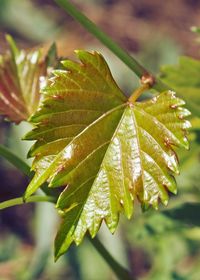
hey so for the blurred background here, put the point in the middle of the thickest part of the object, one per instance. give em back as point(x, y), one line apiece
point(151, 245)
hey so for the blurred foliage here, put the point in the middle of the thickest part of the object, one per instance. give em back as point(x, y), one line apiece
point(28, 17)
point(184, 78)
point(155, 246)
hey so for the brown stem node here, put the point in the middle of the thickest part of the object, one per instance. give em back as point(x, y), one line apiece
point(148, 79)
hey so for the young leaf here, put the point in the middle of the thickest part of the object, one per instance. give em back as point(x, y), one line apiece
point(21, 74)
point(104, 148)
point(184, 78)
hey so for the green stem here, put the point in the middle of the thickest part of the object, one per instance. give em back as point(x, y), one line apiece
point(20, 201)
point(24, 168)
point(15, 160)
point(131, 62)
point(136, 94)
point(119, 270)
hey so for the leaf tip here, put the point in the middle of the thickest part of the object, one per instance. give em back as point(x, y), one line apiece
point(56, 257)
point(155, 205)
point(185, 143)
point(78, 53)
point(12, 44)
point(165, 202)
point(30, 153)
point(145, 207)
point(175, 191)
point(83, 55)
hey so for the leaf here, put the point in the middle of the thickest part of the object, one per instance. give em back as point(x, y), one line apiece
point(106, 150)
point(21, 77)
point(52, 56)
point(185, 79)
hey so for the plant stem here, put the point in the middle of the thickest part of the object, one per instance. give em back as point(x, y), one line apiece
point(20, 201)
point(119, 270)
point(136, 94)
point(15, 160)
point(131, 62)
point(24, 168)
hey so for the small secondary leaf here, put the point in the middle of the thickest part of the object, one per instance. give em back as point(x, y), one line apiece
point(185, 79)
point(104, 148)
point(21, 77)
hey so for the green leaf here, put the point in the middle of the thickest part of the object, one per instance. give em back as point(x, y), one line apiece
point(106, 150)
point(52, 56)
point(21, 76)
point(184, 78)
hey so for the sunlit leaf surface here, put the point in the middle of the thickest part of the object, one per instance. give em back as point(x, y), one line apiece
point(21, 76)
point(106, 150)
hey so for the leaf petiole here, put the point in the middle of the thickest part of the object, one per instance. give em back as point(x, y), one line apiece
point(20, 201)
point(136, 94)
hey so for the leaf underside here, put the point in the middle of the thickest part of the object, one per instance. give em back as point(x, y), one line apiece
point(20, 80)
point(184, 78)
point(104, 149)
